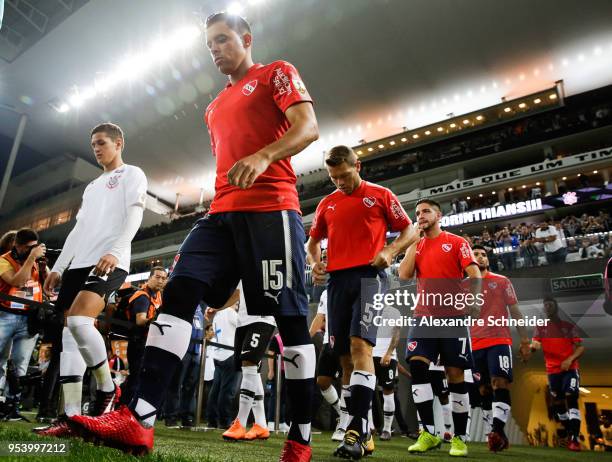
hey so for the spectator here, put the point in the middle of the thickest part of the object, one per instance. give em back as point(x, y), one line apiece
point(507, 243)
point(555, 251)
point(591, 248)
point(463, 205)
point(19, 277)
point(571, 246)
point(529, 251)
point(220, 406)
point(490, 246)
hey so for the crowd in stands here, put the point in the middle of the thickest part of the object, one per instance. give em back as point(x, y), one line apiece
point(578, 238)
point(530, 130)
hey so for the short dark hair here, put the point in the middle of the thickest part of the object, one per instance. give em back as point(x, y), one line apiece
point(431, 202)
point(479, 247)
point(157, 268)
point(113, 131)
point(7, 241)
point(235, 22)
point(25, 235)
point(339, 154)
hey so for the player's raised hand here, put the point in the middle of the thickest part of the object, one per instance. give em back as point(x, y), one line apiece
point(51, 282)
point(106, 265)
point(319, 274)
point(525, 351)
point(383, 259)
point(244, 172)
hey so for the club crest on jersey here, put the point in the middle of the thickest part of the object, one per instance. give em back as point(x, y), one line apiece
point(476, 376)
point(447, 247)
point(412, 345)
point(492, 285)
point(369, 201)
point(113, 181)
point(249, 87)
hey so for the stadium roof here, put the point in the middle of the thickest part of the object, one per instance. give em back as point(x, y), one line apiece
point(373, 67)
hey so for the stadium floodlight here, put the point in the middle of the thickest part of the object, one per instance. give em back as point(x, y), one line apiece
point(381, 146)
point(392, 143)
point(134, 66)
point(507, 109)
point(236, 8)
point(537, 101)
point(403, 140)
point(415, 136)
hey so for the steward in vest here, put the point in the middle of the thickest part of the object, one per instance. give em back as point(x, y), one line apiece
point(141, 310)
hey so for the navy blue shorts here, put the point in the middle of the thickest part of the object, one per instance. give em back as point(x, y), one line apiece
point(564, 383)
point(493, 361)
point(329, 363)
point(263, 249)
point(345, 300)
point(454, 351)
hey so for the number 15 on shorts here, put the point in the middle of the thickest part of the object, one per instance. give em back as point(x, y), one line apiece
point(272, 275)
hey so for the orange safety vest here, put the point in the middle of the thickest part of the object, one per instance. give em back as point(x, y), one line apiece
point(32, 290)
point(154, 302)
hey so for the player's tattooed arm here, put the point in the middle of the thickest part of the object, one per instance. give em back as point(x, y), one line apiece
point(408, 236)
point(313, 257)
point(407, 265)
point(475, 279)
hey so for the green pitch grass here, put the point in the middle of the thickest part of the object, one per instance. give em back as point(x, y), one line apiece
point(182, 445)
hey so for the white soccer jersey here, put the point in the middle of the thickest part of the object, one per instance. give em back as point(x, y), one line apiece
point(322, 309)
point(244, 318)
point(384, 334)
point(103, 216)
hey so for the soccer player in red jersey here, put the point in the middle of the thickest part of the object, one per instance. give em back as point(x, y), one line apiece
point(253, 232)
point(562, 346)
point(355, 219)
point(492, 349)
point(439, 260)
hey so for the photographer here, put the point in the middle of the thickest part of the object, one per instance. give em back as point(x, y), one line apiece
point(19, 277)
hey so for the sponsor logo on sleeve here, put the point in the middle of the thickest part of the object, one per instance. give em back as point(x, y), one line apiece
point(466, 252)
point(396, 210)
point(281, 82)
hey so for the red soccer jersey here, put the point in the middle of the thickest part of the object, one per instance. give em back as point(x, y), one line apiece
point(440, 263)
point(558, 340)
point(243, 119)
point(498, 295)
point(356, 224)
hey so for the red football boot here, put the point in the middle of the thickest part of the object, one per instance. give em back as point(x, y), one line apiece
point(295, 452)
point(497, 441)
point(58, 429)
point(118, 429)
point(574, 445)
